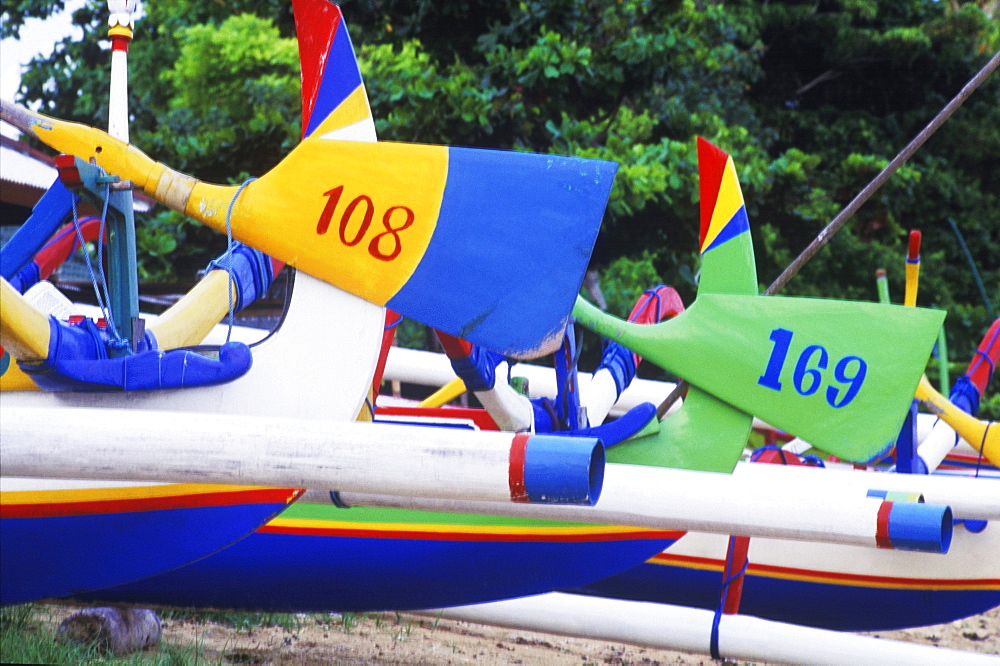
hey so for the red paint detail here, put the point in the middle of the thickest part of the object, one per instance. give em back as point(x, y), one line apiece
point(986, 358)
point(120, 43)
point(316, 25)
point(276, 266)
point(711, 166)
point(480, 417)
point(68, 173)
point(388, 335)
point(75, 319)
point(193, 501)
point(515, 473)
point(454, 347)
point(668, 559)
point(63, 243)
point(882, 526)
point(332, 199)
point(652, 308)
point(375, 248)
point(778, 457)
point(366, 219)
point(913, 254)
point(458, 535)
point(736, 560)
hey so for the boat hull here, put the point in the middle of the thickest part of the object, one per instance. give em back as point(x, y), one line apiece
point(119, 534)
point(836, 587)
point(316, 558)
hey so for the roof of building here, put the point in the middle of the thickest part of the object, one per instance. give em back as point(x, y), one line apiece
point(25, 174)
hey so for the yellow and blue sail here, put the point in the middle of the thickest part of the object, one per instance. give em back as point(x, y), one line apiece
point(465, 203)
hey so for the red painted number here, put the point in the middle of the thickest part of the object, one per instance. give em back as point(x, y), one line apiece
point(377, 243)
point(374, 248)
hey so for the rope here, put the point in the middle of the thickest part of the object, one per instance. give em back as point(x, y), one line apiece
point(717, 618)
point(100, 284)
point(231, 317)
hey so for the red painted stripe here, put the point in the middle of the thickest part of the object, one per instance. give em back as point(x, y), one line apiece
point(49, 510)
point(515, 472)
point(711, 167)
point(454, 348)
point(651, 535)
point(736, 560)
point(478, 416)
point(913, 253)
point(882, 526)
point(864, 579)
point(314, 47)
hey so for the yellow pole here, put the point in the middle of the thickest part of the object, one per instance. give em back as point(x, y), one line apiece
point(24, 331)
point(446, 393)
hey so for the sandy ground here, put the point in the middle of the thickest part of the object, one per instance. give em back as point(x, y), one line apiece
point(391, 638)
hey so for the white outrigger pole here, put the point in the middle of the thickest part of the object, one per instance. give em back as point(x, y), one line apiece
point(669, 627)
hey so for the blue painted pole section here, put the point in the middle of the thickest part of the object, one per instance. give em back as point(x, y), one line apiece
point(46, 217)
point(925, 528)
point(553, 469)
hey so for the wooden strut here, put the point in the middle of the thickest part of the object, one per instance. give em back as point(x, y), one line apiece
point(834, 226)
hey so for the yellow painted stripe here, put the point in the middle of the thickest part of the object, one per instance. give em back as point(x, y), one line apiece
point(829, 578)
point(298, 523)
point(353, 109)
point(120, 493)
point(279, 213)
point(14, 379)
point(399, 185)
point(730, 200)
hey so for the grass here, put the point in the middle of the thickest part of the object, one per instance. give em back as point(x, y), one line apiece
point(27, 635)
point(241, 622)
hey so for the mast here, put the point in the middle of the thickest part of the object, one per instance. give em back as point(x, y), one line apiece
point(121, 228)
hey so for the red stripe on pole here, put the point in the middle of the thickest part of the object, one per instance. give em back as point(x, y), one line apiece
point(913, 252)
point(882, 526)
point(518, 446)
point(736, 561)
point(120, 43)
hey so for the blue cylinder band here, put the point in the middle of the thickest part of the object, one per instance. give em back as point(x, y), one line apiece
point(563, 470)
point(925, 528)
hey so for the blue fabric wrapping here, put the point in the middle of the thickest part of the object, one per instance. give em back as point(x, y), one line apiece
point(78, 361)
point(26, 278)
point(965, 395)
point(610, 433)
point(250, 269)
point(620, 362)
point(478, 369)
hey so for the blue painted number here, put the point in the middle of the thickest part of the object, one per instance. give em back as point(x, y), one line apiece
point(849, 373)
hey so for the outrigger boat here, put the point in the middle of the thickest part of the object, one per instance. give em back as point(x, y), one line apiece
point(41, 516)
point(568, 555)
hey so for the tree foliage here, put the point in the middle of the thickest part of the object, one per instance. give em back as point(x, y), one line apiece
point(812, 98)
